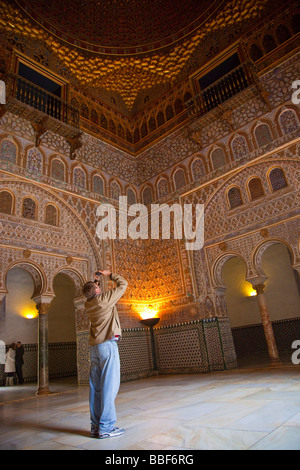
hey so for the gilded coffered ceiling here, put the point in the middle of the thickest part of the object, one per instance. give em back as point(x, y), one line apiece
point(125, 47)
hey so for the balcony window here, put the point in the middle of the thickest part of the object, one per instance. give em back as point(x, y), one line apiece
point(45, 96)
point(39, 79)
point(222, 82)
point(36, 87)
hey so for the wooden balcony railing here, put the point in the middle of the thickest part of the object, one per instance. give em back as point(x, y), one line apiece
point(223, 89)
point(36, 97)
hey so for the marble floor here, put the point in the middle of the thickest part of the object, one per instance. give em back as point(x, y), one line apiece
point(242, 409)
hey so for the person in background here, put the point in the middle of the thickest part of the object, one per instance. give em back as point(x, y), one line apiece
point(10, 364)
point(19, 362)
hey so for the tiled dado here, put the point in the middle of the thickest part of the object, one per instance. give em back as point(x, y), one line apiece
point(62, 361)
point(250, 339)
point(190, 347)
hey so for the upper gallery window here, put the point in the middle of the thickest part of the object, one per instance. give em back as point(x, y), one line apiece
point(223, 81)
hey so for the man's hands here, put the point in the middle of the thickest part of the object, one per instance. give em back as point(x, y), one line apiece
point(105, 272)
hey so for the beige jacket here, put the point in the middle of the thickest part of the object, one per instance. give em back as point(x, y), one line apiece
point(103, 314)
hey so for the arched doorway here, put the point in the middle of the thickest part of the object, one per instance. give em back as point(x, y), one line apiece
point(20, 320)
point(23, 318)
point(240, 297)
point(273, 262)
point(282, 296)
point(230, 272)
point(281, 290)
point(19, 315)
point(62, 329)
point(243, 312)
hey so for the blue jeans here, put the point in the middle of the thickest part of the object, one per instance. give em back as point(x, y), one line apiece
point(104, 384)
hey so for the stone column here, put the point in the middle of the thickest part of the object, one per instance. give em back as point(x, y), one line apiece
point(81, 319)
point(2, 295)
point(266, 322)
point(225, 332)
point(43, 351)
point(2, 343)
point(220, 301)
point(82, 337)
point(296, 267)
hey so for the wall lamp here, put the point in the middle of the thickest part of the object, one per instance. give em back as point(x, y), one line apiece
point(151, 322)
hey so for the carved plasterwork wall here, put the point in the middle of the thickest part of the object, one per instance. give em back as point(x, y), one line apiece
point(41, 249)
point(248, 230)
point(181, 284)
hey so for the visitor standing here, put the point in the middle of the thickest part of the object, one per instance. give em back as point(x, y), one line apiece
point(19, 362)
point(105, 331)
point(10, 364)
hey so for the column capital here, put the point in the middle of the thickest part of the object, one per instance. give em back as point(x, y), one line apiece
point(79, 302)
point(43, 298)
point(43, 303)
point(257, 280)
point(259, 288)
point(3, 294)
point(43, 308)
point(297, 267)
point(220, 290)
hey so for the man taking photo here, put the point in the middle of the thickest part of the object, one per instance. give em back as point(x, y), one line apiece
point(105, 332)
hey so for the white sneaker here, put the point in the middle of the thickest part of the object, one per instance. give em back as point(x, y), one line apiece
point(114, 432)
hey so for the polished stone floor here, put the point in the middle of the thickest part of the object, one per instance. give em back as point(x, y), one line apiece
point(249, 408)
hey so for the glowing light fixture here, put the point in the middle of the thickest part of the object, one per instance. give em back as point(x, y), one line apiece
point(29, 312)
point(147, 312)
point(248, 290)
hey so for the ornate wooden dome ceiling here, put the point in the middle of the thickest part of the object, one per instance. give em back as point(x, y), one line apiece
point(120, 27)
point(126, 47)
